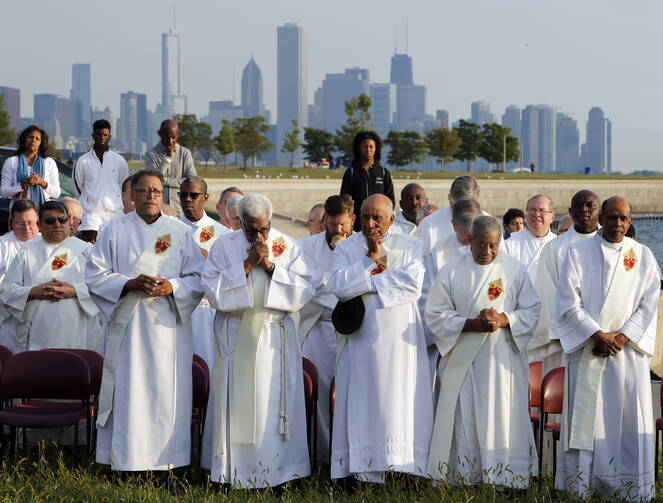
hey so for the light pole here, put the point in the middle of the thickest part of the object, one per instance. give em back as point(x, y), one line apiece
point(504, 154)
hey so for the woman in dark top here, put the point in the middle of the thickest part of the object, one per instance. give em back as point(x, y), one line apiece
point(366, 176)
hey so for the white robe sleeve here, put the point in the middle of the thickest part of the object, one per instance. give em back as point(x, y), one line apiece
point(641, 326)
point(573, 323)
point(83, 297)
point(52, 177)
point(523, 318)
point(105, 286)
point(287, 290)
point(402, 285)
point(224, 282)
point(9, 187)
point(13, 292)
point(350, 278)
point(444, 322)
point(187, 289)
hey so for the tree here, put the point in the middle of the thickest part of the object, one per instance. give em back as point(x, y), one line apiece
point(470, 139)
point(194, 135)
point(359, 118)
point(497, 145)
point(7, 134)
point(224, 141)
point(250, 141)
point(405, 147)
point(291, 141)
point(443, 144)
point(318, 144)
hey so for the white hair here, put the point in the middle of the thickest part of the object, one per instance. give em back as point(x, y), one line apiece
point(66, 200)
point(464, 187)
point(485, 224)
point(254, 206)
point(232, 203)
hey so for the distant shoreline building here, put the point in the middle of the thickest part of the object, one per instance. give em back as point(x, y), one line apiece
point(172, 100)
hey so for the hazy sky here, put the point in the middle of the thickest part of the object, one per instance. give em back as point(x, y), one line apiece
point(569, 54)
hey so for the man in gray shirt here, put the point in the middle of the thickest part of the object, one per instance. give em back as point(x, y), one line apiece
point(174, 161)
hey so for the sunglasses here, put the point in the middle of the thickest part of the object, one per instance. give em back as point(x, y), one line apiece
point(51, 221)
point(193, 195)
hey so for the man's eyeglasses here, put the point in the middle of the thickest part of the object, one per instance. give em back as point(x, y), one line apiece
point(254, 232)
point(193, 195)
point(51, 221)
point(76, 220)
point(535, 211)
point(154, 192)
point(25, 225)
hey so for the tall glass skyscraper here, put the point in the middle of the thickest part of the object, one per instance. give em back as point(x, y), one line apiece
point(401, 70)
point(252, 90)
point(81, 95)
point(172, 99)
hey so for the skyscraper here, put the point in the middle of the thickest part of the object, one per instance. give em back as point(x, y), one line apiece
point(442, 116)
point(539, 131)
point(568, 143)
point(337, 88)
point(481, 113)
point(411, 106)
point(401, 70)
point(133, 130)
point(12, 103)
point(172, 99)
point(57, 115)
point(220, 110)
point(80, 93)
point(512, 118)
point(291, 80)
point(252, 90)
point(384, 107)
point(599, 142)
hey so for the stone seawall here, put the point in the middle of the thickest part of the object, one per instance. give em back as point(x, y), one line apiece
point(295, 197)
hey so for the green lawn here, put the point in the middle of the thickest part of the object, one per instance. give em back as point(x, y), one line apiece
point(50, 477)
point(285, 172)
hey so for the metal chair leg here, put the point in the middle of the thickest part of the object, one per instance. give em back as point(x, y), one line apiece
point(542, 427)
point(76, 443)
point(656, 457)
point(315, 433)
point(554, 459)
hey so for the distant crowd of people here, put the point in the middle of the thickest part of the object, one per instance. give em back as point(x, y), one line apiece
point(425, 320)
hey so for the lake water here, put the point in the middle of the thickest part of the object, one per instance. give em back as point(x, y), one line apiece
point(650, 233)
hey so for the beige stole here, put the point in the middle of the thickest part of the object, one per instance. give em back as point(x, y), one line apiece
point(165, 237)
point(613, 315)
point(494, 284)
point(391, 253)
point(243, 400)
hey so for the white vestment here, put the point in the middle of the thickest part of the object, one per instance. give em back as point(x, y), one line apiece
point(443, 252)
point(492, 439)
point(205, 231)
point(402, 224)
point(435, 227)
point(316, 330)
point(622, 460)
point(383, 414)
point(149, 427)
point(9, 247)
point(41, 324)
point(545, 343)
point(272, 458)
point(526, 248)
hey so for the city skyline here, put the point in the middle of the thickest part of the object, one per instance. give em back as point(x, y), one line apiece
point(514, 54)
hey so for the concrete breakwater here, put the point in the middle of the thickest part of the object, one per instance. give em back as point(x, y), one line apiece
point(294, 197)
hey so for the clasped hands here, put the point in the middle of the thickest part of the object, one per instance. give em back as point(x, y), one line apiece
point(258, 256)
point(489, 320)
point(52, 291)
point(149, 285)
point(33, 179)
point(608, 343)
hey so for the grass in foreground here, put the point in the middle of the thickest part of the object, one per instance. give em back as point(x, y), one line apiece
point(215, 171)
point(48, 476)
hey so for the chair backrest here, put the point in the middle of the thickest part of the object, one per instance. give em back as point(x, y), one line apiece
point(5, 353)
point(535, 369)
point(94, 360)
point(308, 393)
point(332, 394)
point(45, 374)
point(312, 372)
point(201, 361)
point(552, 394)
point(200, 385)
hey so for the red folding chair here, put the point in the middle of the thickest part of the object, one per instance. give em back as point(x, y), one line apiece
point(201, 388)
point(5, 353)
point(44, 375)
point(308, 402)
point(552, 402)
point(312, 431)
point(332, 402)
point(535, 370)
point(201, 361)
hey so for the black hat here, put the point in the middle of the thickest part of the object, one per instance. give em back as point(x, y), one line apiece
point(348, 316)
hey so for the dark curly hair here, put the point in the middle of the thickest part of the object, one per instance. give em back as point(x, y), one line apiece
point(43, 147)
point(356, 144)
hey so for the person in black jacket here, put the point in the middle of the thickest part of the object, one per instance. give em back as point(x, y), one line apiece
point(366, 176)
